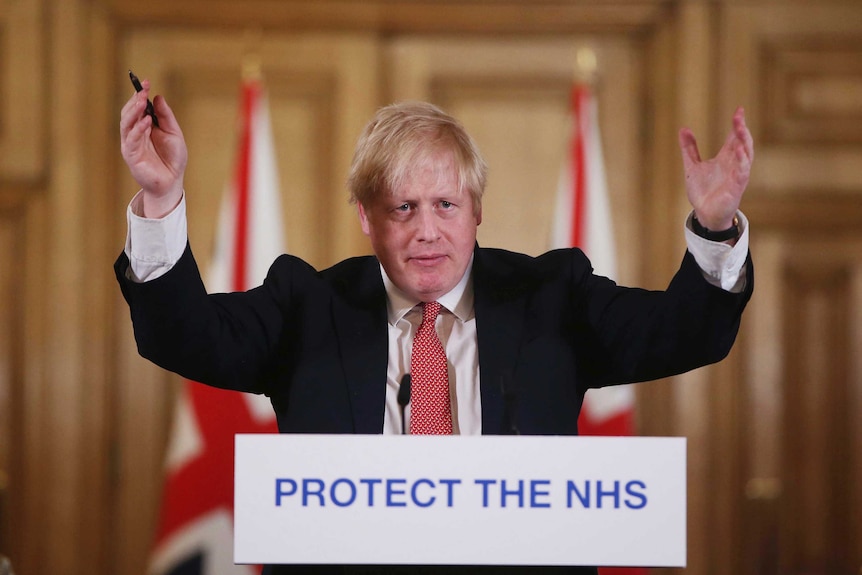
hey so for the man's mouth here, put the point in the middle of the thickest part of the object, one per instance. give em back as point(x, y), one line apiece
point(428, 260)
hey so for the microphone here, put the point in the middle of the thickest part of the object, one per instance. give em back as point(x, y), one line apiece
point(510, 396)
point(404, 399)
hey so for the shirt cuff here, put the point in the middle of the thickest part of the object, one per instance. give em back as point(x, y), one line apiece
point(154, 246)
point(722, 265)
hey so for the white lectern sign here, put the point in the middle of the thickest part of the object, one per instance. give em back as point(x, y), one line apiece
point(491, 500)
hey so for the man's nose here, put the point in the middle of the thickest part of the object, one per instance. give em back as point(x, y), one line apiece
point(428, 226)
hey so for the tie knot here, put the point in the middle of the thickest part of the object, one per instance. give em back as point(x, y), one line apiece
point(430, 310)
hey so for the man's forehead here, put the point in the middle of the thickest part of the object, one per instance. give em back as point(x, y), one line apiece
point(429, 157)
point(428, 170)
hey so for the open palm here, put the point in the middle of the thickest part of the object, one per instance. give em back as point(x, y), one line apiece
point(715, 186)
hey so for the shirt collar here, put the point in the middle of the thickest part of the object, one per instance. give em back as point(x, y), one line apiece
point(459, 300)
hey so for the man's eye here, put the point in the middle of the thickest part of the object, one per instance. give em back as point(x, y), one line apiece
point(403, 208)
point(445, 204)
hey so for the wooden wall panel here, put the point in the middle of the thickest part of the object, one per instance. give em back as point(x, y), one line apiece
point(61, 390)
point(21, 417)
point(802, 504)
point(752, 37)
point(23, 83)
point(384, 16)
point(816, 528)
point(812, 91)
point(10, 368)
point(799, 504)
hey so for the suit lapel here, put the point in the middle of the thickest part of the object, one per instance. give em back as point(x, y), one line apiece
point(359, 316)
point(500, 307)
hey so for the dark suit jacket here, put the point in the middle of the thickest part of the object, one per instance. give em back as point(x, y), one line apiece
point(316, 342)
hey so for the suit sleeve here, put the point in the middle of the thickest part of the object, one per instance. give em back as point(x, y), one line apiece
point(224, 340)
point(642, 335)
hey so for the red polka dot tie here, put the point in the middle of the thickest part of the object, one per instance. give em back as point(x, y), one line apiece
point(430, 411)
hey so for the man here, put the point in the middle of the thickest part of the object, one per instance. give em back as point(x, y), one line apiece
point(331, 347)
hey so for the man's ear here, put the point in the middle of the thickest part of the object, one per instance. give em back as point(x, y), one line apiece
point(363, 220)
point(479, 216)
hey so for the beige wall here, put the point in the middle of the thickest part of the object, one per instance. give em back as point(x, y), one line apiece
point(775, 447)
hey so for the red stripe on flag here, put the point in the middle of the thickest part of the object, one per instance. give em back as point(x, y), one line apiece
point(620, 424)
point(250, 91)
point(579, 166)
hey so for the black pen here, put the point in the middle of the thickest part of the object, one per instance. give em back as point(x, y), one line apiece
point(149, 111)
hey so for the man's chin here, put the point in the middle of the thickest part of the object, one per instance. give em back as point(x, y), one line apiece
point(428, 291)
point(428, 284)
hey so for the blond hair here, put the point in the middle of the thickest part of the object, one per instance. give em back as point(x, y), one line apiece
point(401, 136)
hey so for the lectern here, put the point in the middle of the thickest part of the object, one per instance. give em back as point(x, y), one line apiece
point(488, 500)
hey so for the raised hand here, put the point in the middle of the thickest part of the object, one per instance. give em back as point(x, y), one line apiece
point(156, 157)
point(715, 186)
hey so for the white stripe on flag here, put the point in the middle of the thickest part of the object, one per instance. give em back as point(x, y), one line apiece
point(597, 233)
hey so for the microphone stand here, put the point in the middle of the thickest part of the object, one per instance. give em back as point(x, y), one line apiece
point(403, 400)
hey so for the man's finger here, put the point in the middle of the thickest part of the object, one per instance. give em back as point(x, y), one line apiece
point(130, 114)
point(688, 147)
point(136, 137)
point(742, 132)
point(167, 120)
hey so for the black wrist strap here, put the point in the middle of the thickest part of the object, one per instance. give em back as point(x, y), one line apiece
point(720, 236)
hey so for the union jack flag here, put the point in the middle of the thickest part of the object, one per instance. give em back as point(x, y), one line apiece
point(195, 531)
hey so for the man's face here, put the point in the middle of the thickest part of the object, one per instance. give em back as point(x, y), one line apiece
point(424, 232)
